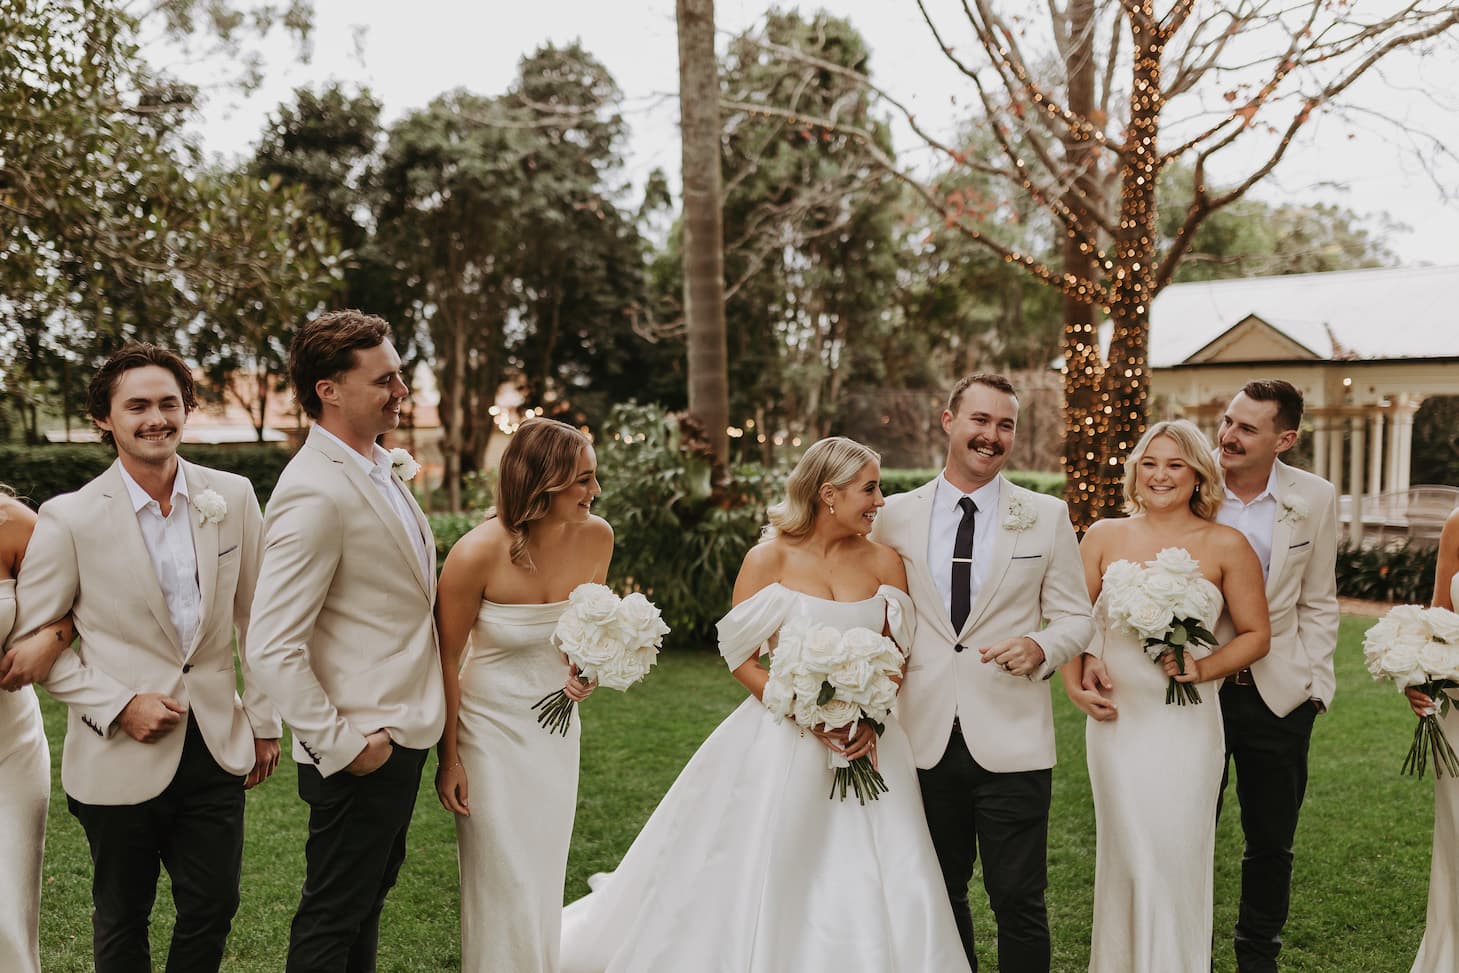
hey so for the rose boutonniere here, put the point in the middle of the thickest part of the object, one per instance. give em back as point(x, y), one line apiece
point(211, 507)
point(1294, 510)
point(1020, 515)
point(402, 464)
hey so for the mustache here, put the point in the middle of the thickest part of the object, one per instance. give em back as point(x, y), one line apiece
point(992, 444)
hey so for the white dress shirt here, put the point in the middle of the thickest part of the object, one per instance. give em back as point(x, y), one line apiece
point(393, 493)
point(1257, 519)
point(942, 534)
point(169, 542)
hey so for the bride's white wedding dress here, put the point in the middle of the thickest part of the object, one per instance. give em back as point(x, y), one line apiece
point(1439, 952)
point(1156, 773)
point(746, 866)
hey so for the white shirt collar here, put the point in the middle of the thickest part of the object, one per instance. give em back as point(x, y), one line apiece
point(1269, 492)
point(984, 497)
point(368, 466)
point(140, 498)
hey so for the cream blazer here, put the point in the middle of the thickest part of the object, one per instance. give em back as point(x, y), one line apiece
point(87, 556)
point(1301, 593)
point(344, 639)
point(1035, 587)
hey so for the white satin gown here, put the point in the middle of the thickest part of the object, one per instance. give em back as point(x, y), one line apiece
point(1439, 951)
point(1156, 773)
point(25, 792)
point(747, 866)
point(522, 787)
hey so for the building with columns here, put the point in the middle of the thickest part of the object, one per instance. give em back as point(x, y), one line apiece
point(1365, 346)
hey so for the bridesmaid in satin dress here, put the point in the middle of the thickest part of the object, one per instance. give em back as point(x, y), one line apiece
point(1439, 951)
point(511, 783)
point(25, 763)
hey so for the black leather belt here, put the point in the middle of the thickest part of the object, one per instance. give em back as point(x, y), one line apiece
point(1244, 678)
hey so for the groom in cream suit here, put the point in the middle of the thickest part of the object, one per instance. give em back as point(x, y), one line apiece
point(1290, 518)
point(345, 638)
point(155, 560)
point(1001, 602)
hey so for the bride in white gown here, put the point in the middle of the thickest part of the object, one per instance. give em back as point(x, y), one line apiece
point(1155, 768)
point(747, 866)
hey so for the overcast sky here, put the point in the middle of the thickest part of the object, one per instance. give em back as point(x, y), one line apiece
point(408, 52)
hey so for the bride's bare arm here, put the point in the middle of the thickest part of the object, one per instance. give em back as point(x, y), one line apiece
point(1244, 589)
point(760, 569)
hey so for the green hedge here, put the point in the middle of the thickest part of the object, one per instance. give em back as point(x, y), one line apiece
point(37, 473)
point(900, 481)
point(1404, 573)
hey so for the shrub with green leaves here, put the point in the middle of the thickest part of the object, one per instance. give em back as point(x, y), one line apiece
point(37, 473)
point(1401, 573)
point(901, 481)
point(677, 540)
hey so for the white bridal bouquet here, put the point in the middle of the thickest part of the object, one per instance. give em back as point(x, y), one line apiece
point(1417, 646)
point(821, 676)
point(1164, 603)
point(610, 639)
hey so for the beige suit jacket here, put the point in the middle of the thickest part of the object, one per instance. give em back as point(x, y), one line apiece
point(87, 557)
point(344, 640)
point(1035, 587)
point(1301, 593)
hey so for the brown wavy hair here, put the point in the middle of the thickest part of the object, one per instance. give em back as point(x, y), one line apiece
point(542, 459)
point(136, 354)
point(325, 348)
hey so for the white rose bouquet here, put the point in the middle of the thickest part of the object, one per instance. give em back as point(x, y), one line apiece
point(612, 640)
point(1164, 603)
point(1419, 647)
point(821, 676)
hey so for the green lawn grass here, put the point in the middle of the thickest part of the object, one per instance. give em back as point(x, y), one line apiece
point(1362, 852)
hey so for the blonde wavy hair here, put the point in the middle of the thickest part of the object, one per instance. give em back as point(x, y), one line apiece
point(835, 460)
point(541, 459)
point(1195, 449)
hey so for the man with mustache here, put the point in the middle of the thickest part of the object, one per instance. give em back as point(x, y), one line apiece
point(995, 575)
point(155, 560)
point(1290, 518)
point(346, 641)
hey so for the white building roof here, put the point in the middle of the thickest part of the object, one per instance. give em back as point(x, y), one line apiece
point(1407, 312)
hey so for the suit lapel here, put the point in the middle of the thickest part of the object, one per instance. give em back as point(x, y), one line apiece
point(998, 558)
point(1281, 531)
point(135, 562)
point(366, 488)
point(424, 526)
point(205, 549)
point(924, 591)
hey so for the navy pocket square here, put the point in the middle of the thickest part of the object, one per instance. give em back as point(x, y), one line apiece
point(229, 551)
point(1026, 557)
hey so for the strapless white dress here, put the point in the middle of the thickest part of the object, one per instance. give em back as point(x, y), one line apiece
point(523, 784)
point(25, 792)
point(1155, 772)
point(1439, 951)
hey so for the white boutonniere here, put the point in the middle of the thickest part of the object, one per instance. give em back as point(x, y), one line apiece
point(211, 507)
point(402, 464)
point(1294, 510)
point(1020, 515)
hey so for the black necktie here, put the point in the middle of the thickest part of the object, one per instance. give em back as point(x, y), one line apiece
point(962, 565)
